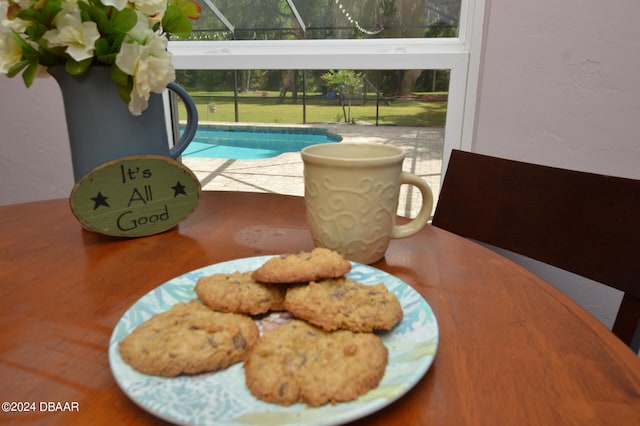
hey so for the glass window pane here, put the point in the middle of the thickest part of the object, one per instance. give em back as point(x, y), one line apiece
point(380, 97)
point(326, 19)
point(406, 108)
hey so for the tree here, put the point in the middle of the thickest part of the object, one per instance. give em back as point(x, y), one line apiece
point(345, 82)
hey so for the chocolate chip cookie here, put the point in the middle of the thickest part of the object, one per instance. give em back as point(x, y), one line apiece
point(298, 362)
point(239, 293)
point(342, 303)
point(318, 264)
point(189, 338)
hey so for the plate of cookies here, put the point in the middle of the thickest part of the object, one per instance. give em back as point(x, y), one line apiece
point(294, 339)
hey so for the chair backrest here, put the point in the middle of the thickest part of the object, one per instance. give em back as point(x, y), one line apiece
point(585, 223)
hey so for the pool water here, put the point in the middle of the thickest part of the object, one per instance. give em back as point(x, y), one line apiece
point(253, 142)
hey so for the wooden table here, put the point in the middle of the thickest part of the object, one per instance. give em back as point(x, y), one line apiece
point(513, 350)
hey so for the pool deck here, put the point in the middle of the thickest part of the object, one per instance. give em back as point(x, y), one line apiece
point(283, 174)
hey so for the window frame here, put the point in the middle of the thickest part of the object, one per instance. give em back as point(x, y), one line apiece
point(460, 55)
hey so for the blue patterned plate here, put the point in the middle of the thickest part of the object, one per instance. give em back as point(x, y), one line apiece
point(222, 398)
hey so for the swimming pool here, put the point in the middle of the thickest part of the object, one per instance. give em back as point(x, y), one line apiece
point(254, 142)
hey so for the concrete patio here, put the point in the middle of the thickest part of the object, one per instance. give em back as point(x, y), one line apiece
point(283, 174)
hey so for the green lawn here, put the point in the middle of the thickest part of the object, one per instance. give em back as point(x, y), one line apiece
point(265, 107)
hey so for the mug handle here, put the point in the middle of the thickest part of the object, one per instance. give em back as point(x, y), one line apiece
point(192, 121)
point(408, 229)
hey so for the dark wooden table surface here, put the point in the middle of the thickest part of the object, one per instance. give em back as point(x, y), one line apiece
point(513, 350)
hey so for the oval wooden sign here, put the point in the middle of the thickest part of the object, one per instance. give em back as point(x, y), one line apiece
point(135, 196)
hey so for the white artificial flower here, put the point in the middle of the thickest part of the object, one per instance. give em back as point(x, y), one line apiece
point(18, 25)
point(78, 37)
point(25, 4)
point(151, 68)
point(10, 52)
point(152, 9)
point(4, 8)
point(70, 6)
point(6, 24)
point(142, 54)
point(141, 31)
point(118, 4)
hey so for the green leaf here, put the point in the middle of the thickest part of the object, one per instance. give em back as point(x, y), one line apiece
point(117, 42)
point(15, 69)
point(102, 47)
point(77, 68)
point(109, 59)
point(44, 15)
point(97, 15)
point(124, 20)
point(24, 44)
point(120, 77)
point(50, 10)
point(36, 31)
point(125, 92)
point(29, 73)
point(32, 15)
point(175, 22)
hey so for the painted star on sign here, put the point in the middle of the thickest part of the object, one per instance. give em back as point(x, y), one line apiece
point(178, 189)
point(100, 200)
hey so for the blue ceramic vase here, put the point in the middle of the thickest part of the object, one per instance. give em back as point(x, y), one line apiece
point(102, 129)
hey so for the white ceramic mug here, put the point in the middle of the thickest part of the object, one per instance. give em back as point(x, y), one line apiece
point(351, 198)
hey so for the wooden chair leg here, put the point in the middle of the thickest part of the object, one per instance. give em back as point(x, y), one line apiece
point(626, 326)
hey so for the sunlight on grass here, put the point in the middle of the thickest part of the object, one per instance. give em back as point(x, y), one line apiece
point(265, 107)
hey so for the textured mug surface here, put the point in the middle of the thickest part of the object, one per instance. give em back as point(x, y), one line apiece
point(351, 198)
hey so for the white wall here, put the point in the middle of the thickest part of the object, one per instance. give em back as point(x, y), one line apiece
point(560, 85)
point(35, 161)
